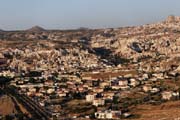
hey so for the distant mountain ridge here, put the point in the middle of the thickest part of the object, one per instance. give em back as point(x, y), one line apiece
point(169, 20)
point(36, 29)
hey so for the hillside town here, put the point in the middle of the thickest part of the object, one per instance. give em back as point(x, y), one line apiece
point(92, 73)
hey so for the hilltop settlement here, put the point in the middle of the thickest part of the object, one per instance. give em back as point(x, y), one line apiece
point(91, 73)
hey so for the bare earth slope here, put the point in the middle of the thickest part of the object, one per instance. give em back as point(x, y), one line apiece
point(165, 111)
point(7, 106)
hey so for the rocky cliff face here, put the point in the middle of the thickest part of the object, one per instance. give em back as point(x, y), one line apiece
point(172, 19)
point(130, 43)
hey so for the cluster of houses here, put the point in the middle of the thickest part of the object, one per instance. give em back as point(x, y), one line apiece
point(97, 92)
point(52, 77)
point(47, 70)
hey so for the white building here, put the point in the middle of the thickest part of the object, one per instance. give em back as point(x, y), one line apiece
point(134, 82)
point(98, 102)
point(147, 88)
point(168, 95)
point(123, 83)
point(90, 98)
point(108, 114)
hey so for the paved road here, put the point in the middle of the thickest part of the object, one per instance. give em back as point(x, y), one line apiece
point(37, 111)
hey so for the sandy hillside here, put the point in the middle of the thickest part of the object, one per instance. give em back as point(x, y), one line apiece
point(6, 105)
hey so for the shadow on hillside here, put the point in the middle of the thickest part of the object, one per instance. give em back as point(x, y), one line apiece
point(109, 55)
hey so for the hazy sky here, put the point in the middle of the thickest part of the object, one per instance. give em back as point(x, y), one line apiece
point(67, 14)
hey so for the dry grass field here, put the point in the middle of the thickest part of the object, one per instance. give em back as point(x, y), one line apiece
point(165, 111)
